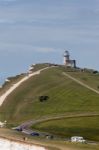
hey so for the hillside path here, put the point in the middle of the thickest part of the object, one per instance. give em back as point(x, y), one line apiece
point(28, 124)
point(80, 82)
point(13, 87)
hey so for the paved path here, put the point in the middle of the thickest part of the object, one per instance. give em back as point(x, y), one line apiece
point(13, 87)
point(80, 82)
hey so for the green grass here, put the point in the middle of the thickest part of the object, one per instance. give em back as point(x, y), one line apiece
point(65, 96)
point(16, 78)
point(13, 80)
point(88, 78)
point(40, 66)
point(77, 126)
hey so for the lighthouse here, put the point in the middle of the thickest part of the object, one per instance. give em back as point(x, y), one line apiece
point(67, 61)
point(66, 57)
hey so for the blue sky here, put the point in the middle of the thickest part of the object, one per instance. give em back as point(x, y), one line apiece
point(33, 31)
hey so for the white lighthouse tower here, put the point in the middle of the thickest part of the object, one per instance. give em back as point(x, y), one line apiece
point(66, 58)
point(67, 61)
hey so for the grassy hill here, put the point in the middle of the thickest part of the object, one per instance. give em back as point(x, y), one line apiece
point(80, 126)
point(66, 97)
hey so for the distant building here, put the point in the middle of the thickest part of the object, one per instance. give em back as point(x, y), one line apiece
point(67, 61)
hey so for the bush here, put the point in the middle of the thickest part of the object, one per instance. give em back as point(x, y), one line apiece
point(95, 72)
point(43, 98)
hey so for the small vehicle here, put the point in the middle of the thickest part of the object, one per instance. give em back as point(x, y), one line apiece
point(18, 129)
point(78, 139)
point(35, 134)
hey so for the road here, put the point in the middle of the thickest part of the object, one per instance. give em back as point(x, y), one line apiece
point(26, 125)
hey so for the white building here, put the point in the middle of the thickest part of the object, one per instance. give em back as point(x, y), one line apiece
point(77, 139)
point(67, 61)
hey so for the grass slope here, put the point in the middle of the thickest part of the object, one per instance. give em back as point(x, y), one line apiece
point(80, 126)
point(88, 78)
point(64, 96)
point(17, 78)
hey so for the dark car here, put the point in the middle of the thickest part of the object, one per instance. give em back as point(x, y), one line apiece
point(35, 134)
point(18, 129)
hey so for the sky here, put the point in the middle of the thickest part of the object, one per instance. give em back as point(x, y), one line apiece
point(37, 31)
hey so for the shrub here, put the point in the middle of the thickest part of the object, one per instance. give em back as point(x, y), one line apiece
point(43, 98)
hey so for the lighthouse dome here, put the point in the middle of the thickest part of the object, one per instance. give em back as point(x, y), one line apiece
point(66, 53)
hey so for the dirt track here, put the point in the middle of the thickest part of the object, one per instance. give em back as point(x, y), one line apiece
point(13, 87)
point(81, 83)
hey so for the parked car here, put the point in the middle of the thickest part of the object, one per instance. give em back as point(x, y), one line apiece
point(35, 134)
point(18, 129)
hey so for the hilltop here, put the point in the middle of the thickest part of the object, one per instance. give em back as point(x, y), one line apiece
point(70, 108)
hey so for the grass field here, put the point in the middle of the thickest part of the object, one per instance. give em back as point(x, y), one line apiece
point(88, 78)
point(40, 66)
point(65, 97)
point(13, 80)
point(80, 126)
point(17, 78)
